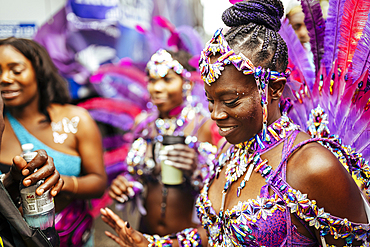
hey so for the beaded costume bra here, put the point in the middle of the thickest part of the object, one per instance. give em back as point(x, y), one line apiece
point(265, 221)
point(140, 165)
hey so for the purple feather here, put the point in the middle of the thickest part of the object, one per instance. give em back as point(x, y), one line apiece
point(122, 121)
point(190, 40)
point(297, 53)
point(316, 28)
point(114, 141)
point(333, 22)
point(361, 57)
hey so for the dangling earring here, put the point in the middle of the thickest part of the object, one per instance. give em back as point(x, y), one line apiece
point(262, 78)
point(186, 89)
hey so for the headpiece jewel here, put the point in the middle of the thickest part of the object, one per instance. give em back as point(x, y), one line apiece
point(210, 72)
point(161, 62)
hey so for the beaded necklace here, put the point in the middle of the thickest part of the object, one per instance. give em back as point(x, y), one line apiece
point(246, 157)
point(175, 125)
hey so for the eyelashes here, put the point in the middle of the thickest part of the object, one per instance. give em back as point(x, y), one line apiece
point(228, 104)
point(232, 103)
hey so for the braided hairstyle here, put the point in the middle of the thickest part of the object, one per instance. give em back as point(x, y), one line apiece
point(254, 32)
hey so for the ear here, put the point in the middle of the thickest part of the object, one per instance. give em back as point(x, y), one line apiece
point(277, 88)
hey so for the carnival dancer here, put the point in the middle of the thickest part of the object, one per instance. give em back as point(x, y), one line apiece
point(274, 186)
point(168, 203)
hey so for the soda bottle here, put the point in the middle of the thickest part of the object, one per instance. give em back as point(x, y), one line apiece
point(38, 211)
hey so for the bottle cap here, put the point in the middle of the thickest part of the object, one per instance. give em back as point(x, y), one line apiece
point(27, 147)
point(28, 155)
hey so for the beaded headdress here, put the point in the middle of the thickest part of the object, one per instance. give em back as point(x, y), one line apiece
point(210, 72)
point(161, 62)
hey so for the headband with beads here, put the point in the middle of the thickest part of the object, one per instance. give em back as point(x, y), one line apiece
point(210, 72)
point(161, 62)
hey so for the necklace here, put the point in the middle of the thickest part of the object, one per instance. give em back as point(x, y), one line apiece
point(245, 157)
point(175, 125)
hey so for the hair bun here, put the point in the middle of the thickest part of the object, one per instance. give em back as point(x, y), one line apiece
point(261, 12)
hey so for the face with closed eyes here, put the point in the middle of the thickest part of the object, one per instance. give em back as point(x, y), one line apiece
point(18, 82)
point(234, 103)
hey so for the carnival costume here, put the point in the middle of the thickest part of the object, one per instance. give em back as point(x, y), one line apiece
point(153, 128)
point(266, 220)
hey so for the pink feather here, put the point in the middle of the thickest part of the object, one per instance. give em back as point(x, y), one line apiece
point(354, 19)
point(163, 22)
point(235, 1)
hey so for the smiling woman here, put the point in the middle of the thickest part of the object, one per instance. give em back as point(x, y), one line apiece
point(274, 186)
point(156, 156)
point(36, 111)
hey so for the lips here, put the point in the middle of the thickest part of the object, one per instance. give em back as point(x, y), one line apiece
point(10, 94)
point(158, 101)
point(226, 130)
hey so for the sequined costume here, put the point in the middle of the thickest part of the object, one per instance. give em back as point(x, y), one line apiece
point(266, 220)
point(151, 131)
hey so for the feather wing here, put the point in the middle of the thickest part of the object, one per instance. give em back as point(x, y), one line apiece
point(297, 53)
point(355, 15)
point(331, 39)
point(316, 28)
point(361, 57)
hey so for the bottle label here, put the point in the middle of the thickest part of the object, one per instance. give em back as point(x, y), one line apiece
point(34, 204)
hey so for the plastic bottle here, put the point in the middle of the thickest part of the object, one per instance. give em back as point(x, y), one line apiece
point(38, 211)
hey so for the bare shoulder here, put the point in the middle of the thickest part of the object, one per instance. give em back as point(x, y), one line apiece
point(315, 171)
point(73, 113)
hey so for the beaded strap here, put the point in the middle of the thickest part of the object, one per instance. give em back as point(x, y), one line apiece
point(307, 210)
point(157, 241)
point(189, 238)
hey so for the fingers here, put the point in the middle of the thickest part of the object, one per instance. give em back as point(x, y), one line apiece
point(121, 189)
point(115, 238)
point(179, 156)
point(36, 162)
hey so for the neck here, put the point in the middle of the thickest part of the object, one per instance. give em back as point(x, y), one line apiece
point(27, 111)
point(172, 113)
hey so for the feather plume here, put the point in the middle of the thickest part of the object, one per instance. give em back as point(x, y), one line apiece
point(355, 15)
point(316, 28)
point(163, 22)
point(235, 1)
point(331, 39)
point(361, 57)
point(297, 53)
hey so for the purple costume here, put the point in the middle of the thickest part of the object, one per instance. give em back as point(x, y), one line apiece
point(266, 220)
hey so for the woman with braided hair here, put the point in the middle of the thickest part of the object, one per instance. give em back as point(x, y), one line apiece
point(274, 186)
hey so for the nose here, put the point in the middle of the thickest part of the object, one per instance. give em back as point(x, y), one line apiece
point(217, 112)
point(159, 85)
point(6, 77)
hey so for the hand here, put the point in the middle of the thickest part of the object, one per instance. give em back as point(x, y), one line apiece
point(179, 156)
point(126, 235)
point(121, 189)
point(45, 170)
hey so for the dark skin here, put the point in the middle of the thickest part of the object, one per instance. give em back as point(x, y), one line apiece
point(166, 94)
point(312, 169)
point(20, 168)
point(19, 90)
